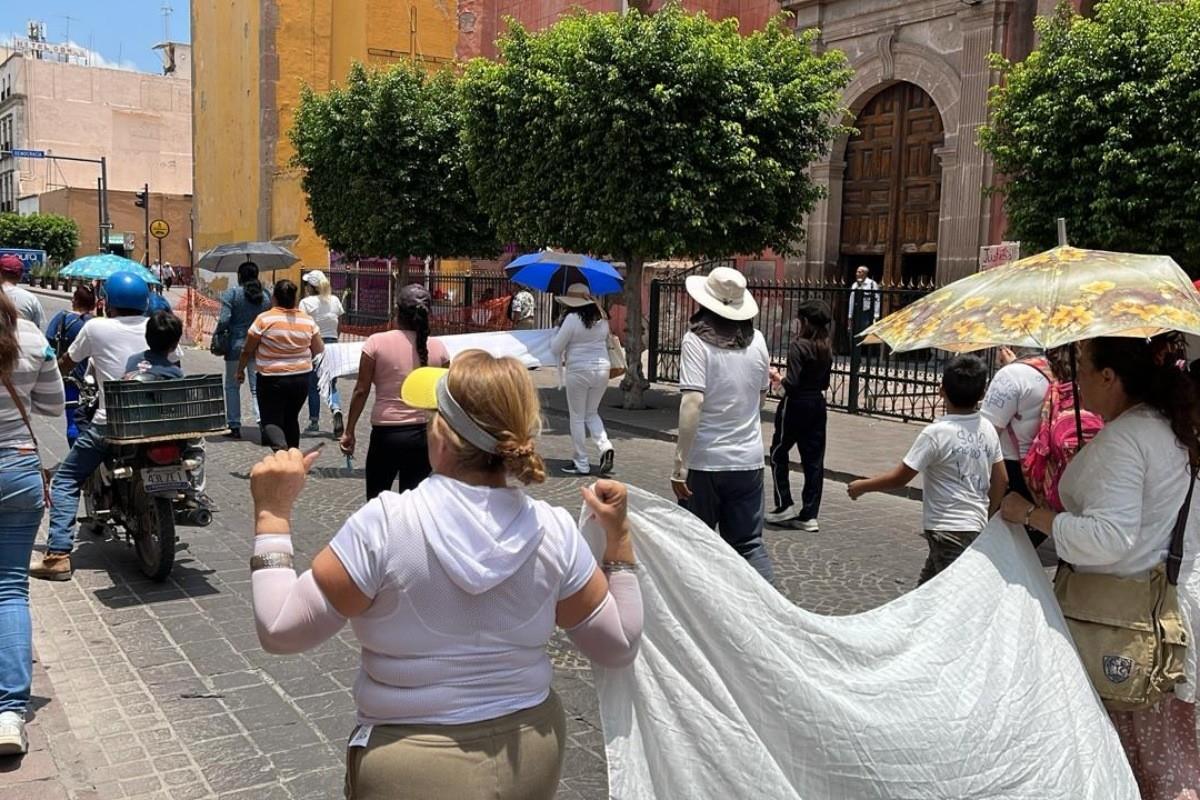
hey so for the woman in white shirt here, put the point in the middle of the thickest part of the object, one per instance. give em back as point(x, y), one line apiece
point(326, 309)
point(453, 590)
point(1122, 494)
point(582, 342)
point(32, 385)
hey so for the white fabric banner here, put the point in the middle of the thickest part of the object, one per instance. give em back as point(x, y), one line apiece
point(967, 687)
point(531, 348)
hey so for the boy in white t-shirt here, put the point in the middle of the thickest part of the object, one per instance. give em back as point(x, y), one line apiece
point(959, 455)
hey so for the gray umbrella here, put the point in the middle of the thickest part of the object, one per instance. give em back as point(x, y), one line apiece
point(267, 256)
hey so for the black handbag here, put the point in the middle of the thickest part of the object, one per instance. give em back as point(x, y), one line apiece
point(219, 345)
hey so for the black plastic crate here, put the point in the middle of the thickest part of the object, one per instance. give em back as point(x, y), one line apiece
point(146, 409)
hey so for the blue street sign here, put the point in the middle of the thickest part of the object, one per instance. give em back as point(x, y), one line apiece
point(27, 153)
point(29, 259)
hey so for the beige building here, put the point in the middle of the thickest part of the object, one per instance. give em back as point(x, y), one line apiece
point(140, 122)
point(907, 192)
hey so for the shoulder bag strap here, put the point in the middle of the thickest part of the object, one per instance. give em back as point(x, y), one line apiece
point(1175, 556)
point(21, 410)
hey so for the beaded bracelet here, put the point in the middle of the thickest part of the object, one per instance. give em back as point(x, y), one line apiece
point(618, 566)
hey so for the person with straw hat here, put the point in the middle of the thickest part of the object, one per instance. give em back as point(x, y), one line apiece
point(724, 372)
point(582, 342)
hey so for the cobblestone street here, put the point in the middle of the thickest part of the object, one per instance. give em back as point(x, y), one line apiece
point(161, 690)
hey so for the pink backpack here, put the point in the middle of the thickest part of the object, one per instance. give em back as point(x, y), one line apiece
point(1056, 441)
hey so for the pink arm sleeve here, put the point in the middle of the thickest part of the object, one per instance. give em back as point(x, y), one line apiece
point(611, 634)
point(291, 613)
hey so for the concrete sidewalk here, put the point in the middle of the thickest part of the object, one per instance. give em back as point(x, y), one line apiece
point(857, 446)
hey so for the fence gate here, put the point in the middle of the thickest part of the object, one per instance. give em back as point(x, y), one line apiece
point(865, 379)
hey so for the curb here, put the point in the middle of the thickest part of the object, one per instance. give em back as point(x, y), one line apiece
point(838, 476)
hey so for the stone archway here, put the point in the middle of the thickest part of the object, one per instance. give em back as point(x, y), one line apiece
point(889, 63)
point(891, 189)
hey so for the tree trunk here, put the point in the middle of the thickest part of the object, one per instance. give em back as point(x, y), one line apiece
point(634, 383)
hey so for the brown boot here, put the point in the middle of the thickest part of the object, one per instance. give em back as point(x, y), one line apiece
point(54, 567)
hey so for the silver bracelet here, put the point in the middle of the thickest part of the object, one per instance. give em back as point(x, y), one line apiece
point(609, 567)
point(271, 561)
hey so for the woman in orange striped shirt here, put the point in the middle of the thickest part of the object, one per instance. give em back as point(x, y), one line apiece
point(282, 341)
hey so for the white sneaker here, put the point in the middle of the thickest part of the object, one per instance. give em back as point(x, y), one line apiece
point(782, 514)
point(13, 741)
point(809, 525)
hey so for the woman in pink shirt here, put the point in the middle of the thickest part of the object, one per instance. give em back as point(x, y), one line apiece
point(398, 445)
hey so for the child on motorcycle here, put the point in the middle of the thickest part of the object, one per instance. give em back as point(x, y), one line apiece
point(163, 332)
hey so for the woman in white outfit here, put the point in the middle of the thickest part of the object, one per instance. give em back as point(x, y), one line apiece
point(453, 590)
point(1123, 493)
point(326, 310)
point(582, 342)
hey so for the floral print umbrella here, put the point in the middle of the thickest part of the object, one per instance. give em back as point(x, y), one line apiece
point(1047, 300)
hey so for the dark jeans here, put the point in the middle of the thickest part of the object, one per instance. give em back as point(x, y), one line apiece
point(944, 548)
point(731, 503)
point(396, 451)
point(1016, 483)
point(800, 422)
point(280, 398)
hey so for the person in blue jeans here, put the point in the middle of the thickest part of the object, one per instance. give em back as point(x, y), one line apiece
point(108, 343)
point(240, 306)
point(31, 385)
point(62, 330)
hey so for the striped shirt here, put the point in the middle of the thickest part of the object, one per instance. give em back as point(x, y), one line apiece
point(37, 382)
point(285, 338)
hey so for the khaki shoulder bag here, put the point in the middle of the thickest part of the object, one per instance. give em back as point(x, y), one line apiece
point(1129, 632)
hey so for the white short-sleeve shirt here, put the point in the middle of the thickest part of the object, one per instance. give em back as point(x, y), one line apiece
point(432, 652)
point(1013, 404)
point(729, 436)
point(108, 342)
point(955, 455)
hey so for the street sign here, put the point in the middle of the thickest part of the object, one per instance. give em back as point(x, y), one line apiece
point(159, 229)
point(27, 153)
point(30, 259)
point(996, 255)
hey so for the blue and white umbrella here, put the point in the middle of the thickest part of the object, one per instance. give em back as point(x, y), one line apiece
point(100, 267)
point(551, 271)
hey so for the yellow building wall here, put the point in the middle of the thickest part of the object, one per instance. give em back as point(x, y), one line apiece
point(240, 65)
point(316, 46)
point(225, 120)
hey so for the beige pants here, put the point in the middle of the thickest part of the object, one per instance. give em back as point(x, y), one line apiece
point(515, 757)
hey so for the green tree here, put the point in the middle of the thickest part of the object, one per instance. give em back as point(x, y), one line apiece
point(383, 168)
point(1099, 125)
point(639, 136)
point(56, 234)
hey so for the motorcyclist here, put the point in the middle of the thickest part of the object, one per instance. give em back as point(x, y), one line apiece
point(108, 343)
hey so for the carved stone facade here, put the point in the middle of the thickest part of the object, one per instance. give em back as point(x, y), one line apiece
point(942, 47)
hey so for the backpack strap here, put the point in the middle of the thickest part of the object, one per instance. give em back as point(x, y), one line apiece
point(1175, 556)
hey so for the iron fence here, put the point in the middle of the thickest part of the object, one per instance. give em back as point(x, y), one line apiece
point(868, 379)
point(462, 302)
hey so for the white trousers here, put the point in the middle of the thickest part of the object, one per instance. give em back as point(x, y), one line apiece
point(585, 389)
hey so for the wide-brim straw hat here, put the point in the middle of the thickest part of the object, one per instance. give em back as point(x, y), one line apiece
point(577, 295)
point(723, 292)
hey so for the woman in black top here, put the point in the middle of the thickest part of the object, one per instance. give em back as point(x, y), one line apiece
point(801, 416)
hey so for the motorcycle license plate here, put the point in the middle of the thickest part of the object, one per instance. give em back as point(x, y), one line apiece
point(159, 480)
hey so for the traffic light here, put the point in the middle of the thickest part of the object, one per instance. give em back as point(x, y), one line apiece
point(141, 199)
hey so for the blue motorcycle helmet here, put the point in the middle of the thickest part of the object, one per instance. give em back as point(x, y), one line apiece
point(158, 303)
point(127, 291)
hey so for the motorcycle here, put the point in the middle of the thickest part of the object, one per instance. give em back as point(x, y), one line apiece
point(143, 489)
